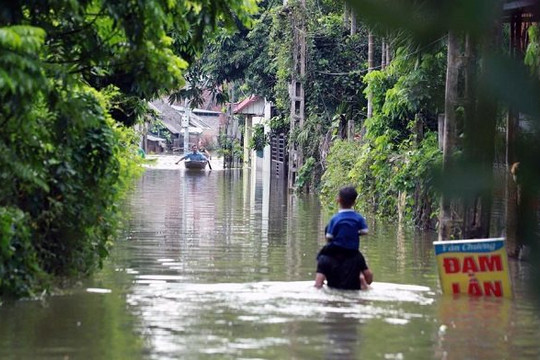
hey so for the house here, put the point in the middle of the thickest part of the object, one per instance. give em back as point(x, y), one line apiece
point(200, 132)
point(155, 145)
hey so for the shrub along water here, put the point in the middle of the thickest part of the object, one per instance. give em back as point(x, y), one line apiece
point(67, 173)
point(392, 166)
point(73, 76)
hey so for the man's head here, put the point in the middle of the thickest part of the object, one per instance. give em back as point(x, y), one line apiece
point(347, 197)
point(194, 148)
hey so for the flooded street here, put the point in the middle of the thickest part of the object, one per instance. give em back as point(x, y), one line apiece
point(220, 265)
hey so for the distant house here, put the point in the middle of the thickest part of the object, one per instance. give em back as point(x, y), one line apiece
point(155, 145)
point(211, 113)
point(205, 127)
point(253, 105)
point(200, 132)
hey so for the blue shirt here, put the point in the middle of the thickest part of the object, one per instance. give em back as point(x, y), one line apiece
point(197, 156)
point(345, 228)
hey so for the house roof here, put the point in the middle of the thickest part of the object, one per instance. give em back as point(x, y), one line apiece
point(194, 119)
point(154, 138)
point(518, 4)
point(171, 116)
point(528, 9)
point(154, 107)
point(207, 112)
point(193, 130)
point(171, 127)
point(253, 105)
point(165, 111)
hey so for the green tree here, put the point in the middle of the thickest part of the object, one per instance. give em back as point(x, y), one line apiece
point(494, 79)
point(73, 75)
point(392, 164)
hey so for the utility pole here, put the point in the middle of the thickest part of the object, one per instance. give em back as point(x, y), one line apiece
point(296, 91)
point(185, 125)
point(248, 134)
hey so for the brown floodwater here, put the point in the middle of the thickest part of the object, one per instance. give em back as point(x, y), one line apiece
point(220, 265)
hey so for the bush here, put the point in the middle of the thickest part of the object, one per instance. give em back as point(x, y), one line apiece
point(20, 272)
point(342, 158)
point(69, 166)
point(381, 171)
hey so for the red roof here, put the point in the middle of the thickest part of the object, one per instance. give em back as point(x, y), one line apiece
point(238, 107)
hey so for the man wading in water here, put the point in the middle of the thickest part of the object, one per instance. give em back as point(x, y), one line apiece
point(340, 261)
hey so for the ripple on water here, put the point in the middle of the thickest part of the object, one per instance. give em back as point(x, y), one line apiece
point(200, 244)
point(206, 315)
point(276, 302)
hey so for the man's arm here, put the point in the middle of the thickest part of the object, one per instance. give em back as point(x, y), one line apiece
point(182, 158)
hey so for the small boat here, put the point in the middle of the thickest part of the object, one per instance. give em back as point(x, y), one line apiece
point(195, 165)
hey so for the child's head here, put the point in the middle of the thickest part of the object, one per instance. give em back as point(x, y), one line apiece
point(347, 197)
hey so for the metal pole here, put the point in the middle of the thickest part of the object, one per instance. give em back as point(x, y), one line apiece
point(247, 139)
point(185, 125)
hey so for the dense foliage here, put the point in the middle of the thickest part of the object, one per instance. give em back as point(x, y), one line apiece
point(259, 139)
point(258, 61)
point(73, 75)
point(392, 165)
point(399, 143)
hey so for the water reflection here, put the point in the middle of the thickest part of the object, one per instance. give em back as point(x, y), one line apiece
point(254, 270)
point(247, 291)
point(220, 313)
point(343, 334)
point(81, 324)
point(220, 265)
point(490, 328)
point(486, 322)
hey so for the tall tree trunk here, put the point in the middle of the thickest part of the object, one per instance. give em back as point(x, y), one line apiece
point(346, 15)
point(420, 198)
point(479, 151)
point(446, 223)
point(248, 135)
point(511, 188)
point(383, 54)
point(354, 22)
point(511, 191)
point(350, 130)
point(486, 122)
point(371, 66)
point(471, 201)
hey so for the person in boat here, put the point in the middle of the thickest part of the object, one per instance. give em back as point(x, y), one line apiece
point(208, 156)
point(194, 155)
point(340, 262)
point(206, 153)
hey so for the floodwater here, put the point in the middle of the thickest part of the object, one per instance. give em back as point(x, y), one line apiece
point(220, 265)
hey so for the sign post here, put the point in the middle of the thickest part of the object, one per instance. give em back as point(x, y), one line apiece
point(477, 267)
